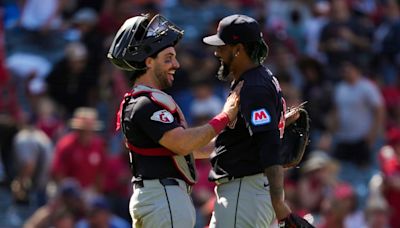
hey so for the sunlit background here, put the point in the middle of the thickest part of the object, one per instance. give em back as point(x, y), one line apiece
point(342, 56)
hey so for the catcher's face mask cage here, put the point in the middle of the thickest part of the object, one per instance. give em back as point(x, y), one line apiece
point(139, 38)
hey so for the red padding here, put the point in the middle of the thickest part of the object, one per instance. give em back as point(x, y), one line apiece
point(161, 151)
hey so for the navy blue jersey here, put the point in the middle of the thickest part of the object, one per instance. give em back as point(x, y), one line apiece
point(147, 122)
point(237, 151)
point(144, 124)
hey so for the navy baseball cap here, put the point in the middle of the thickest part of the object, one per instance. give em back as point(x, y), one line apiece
point(235, 29)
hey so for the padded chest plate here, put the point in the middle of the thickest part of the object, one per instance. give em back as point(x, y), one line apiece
point(157, 96)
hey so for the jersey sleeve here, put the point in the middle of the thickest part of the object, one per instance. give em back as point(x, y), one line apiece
point(259, 108)
point(154, 119)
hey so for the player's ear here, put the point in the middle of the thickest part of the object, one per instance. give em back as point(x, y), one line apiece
point(149, 62)
point(236, 49)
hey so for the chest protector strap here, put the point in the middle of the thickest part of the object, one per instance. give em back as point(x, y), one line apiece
point(184, 164)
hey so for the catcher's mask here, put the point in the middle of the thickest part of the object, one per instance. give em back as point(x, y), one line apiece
point(139, 38)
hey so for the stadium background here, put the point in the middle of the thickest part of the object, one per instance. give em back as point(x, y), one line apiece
point(53, 60)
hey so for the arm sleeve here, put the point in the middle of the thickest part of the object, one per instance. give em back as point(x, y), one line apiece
point(269, 146)
point(153, 119)
point(259, 108)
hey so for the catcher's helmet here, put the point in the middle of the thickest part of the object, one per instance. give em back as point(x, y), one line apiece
point(139, 38)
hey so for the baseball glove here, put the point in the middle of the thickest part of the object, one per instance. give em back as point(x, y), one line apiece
point(294, 221)
point(295, 138)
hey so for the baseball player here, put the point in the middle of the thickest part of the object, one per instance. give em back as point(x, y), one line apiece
point(159, 143)
point(246, 163)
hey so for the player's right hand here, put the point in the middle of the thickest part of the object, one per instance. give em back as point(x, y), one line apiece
point(231, 106)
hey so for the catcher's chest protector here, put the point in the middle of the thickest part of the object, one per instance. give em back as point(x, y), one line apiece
point(184, 164)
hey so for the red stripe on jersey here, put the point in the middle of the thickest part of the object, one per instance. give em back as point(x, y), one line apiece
point(160, 151)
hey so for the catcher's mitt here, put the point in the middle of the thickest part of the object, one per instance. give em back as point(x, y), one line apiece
point(295, 138)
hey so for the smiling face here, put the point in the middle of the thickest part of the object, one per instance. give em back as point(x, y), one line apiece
point(163, 67)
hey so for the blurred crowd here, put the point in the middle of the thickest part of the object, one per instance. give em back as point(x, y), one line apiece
point(64, 165)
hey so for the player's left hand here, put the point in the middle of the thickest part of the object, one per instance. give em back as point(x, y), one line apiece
point(292, 114)
point(291, 117)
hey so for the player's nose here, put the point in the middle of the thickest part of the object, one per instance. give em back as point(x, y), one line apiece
point(175, 64)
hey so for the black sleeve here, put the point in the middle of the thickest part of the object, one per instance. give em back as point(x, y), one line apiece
point(153, 119)
point(258, 107)
point(269, 146)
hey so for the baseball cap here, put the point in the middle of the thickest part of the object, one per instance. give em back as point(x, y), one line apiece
point(235, 29)
point(317, 160)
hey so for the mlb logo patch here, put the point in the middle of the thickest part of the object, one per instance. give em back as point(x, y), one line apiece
point(260, 117)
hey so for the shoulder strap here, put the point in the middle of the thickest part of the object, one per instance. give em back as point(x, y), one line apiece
point(157, 96)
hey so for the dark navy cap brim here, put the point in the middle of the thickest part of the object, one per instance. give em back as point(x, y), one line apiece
point(213, 40)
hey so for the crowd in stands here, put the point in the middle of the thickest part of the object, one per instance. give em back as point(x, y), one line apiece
point(62, 163)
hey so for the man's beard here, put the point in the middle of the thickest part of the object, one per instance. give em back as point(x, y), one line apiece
point(162, 78)
point(223, 73)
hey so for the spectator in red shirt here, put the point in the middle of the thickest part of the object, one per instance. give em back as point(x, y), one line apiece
point(81, 153)
point(389, 157)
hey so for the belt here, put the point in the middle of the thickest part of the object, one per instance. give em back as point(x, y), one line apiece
point(231, 178)
point(164, 182)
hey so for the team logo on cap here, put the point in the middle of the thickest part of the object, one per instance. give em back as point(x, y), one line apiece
point(162, 116)
point(260, 117)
